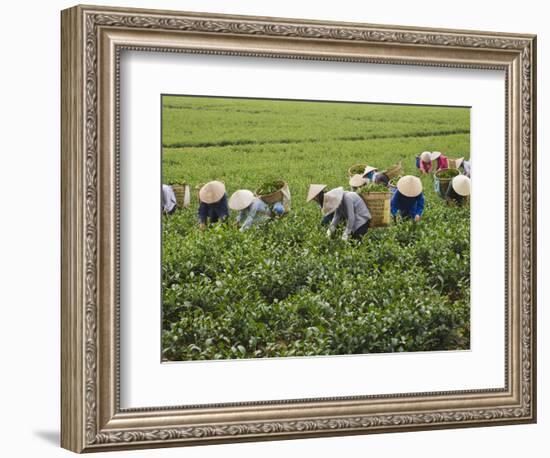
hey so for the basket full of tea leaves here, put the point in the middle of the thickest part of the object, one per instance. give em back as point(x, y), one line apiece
point(393, 171)
point(271, 191)
point(377, 197)
point(442, 180)
point(181, 191)
point(357, 169)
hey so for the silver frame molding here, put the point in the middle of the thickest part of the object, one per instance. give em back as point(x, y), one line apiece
point(92, 40)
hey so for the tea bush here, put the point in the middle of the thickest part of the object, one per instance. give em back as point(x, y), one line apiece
point(283, 288)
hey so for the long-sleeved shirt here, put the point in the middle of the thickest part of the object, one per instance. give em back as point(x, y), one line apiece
point(168, 198)
point(408, 207)
point(216, 211)
point(354, 209)
point(257, 211)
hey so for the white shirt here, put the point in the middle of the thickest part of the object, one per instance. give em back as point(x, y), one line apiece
point(168, 198)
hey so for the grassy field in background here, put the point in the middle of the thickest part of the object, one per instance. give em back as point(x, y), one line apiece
point(283, 289)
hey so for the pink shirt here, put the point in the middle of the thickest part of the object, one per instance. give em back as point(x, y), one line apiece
point(425, 167)
point(442, 162)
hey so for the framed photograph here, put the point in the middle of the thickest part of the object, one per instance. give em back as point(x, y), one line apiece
point(271, 228)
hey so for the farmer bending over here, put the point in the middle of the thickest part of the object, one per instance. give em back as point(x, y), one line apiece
point(252, 210)
point(441, 161)
point(213, 203)
point(370, 173)
point(424, 161)
point(408, 200)
point(459, 190)
point(349, 206)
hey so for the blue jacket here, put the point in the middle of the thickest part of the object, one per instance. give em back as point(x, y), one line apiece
point(408, 207)
point(216, 211)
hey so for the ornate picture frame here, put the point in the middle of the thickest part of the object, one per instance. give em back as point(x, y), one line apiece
point(92, 41)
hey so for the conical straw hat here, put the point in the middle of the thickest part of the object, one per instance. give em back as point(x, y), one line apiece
point(426, 156)
point(314, 190)
point(461, 185)
point(357, 180)
point(435, 155)
point(409, 186)
point(368, 169)
point(459, 162)
point(332, 200)
point(212, 192)
point(241, 199)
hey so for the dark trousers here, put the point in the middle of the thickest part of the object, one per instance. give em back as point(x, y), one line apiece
point(361, 231)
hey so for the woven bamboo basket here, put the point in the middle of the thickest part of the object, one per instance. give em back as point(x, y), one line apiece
point(442, 184)
point(356, 169)
point(394, 170)
point(197, 190)
point(379, 207)
point(274, 197)
point(179, 191)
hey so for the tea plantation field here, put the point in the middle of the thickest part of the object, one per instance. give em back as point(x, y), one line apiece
point(284, 289)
